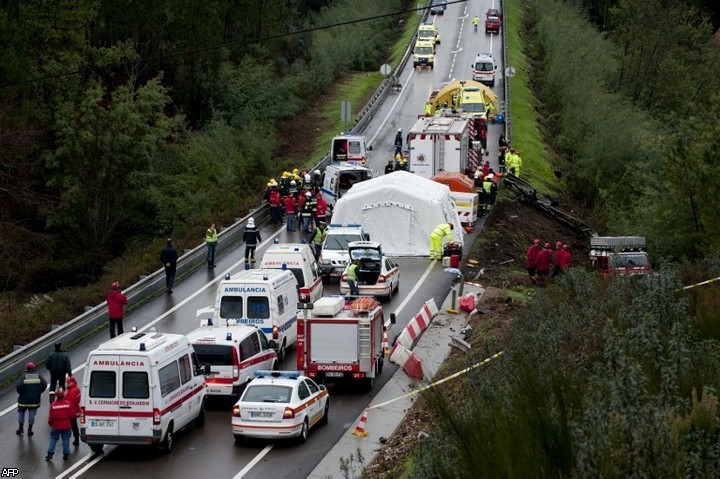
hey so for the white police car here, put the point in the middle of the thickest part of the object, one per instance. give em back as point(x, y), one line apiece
point(279, 404)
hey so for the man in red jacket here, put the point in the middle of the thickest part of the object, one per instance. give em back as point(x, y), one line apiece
point(322, 208)
point(290, 207)
point(61, 415)
point(532, 255)
point(558, 258)
point(115, 301)
point(567, 259)
point(73, 396)
point(544, 260)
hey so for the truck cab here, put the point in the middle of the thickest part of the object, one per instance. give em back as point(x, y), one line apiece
point(484, 69)
point(424, 54)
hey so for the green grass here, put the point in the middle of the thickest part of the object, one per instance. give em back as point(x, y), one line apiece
point(527, 137)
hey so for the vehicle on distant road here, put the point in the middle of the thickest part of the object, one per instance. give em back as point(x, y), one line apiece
point(437, 7)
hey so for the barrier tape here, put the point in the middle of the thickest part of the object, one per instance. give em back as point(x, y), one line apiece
point(700, 284)
point(443, 380)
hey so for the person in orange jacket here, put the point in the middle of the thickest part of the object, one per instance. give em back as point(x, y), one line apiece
point(73, 396)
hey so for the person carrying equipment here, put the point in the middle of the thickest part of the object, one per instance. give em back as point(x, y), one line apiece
point(436, 239)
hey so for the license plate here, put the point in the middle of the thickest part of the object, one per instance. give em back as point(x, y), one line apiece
point(95, 423)
point(262, 414)
point(334, 375)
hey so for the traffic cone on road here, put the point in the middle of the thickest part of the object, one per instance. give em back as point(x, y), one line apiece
point(386, 344)
point(360, 429)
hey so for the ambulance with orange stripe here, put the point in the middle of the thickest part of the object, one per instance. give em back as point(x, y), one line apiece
point(232, 353)
point(280, 404)
point(140, 389)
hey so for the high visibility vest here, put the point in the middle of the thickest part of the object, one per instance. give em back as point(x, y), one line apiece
point(442, 230)
point(352, 272)
point(476, 21)
point(487, 186)
point(318, 236)
point(211, 236)
point(428, 109)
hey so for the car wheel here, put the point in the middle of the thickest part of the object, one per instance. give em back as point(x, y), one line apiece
point(326, 413)
point(239, 439)
point(303, 432)
point(281, 352)
point(200, 419)
point(96, 447)
point(169, 440)
point(381, 362)
point(369, 383)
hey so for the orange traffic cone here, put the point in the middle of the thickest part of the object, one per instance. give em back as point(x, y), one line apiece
point(386, 344)
point(413, 367)
point(360, 429)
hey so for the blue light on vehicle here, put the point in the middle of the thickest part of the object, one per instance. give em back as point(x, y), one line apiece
point(284, 266)
point(276, 241)
point(278, 374)
point(227, 276)
point(228, 336)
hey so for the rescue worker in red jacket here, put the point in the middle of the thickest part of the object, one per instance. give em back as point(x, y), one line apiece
point(60, 420)
point(544, 260)
point(558, 258)
point(115, 302)
point(73, 396)
point(532, 258)
point(321, 209)
point(275, 205)
point(290, 207)
point(567, 259)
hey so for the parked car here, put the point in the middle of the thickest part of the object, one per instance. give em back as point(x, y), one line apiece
point(438, 7)
point(377, 275)
point(280, 404)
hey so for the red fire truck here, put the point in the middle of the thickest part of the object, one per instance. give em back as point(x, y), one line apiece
point(342, 340)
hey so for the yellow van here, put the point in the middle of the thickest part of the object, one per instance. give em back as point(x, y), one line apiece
point(424, 54)
point(429, 33)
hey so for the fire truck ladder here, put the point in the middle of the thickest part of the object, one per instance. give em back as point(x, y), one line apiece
point(441, 152)
point(364, 342)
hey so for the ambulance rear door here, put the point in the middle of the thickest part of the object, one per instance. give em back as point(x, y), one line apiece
point(100, 398)
point(135, 410)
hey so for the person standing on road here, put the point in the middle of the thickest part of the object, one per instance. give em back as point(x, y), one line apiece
point(60, 420)
point(319, 235)
point(290, 206)
point(352, 278)
point(73, 396)
point(306, 213)
point(436, 239)
point(211, 241)
point(321, 209)
point(532, 258)
point(251, 237)
point(476, 22)
point(59, 365)
point(398, 141)
point(115, 301)
point(29, 387)
point(428, 109)
point(390, 167)
point(169, 257)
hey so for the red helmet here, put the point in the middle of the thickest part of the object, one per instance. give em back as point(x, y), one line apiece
point(558, 244)
point(566, 246)
point(31, 365)
point(537, 241)
point(547, 245)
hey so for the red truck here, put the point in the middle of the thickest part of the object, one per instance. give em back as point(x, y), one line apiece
point(342, 340)
point(619, 255)
point(493, 18)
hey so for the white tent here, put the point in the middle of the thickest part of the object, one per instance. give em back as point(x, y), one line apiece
point(399, 210)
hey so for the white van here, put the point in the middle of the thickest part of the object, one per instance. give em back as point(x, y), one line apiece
point(334, 254)
point(483, 69)
point(338, 178)
point(231, 354)
point(141, 388)
point(264, 298)
point(299, 258)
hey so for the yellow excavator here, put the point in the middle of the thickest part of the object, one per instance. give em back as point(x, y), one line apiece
point(465, 95)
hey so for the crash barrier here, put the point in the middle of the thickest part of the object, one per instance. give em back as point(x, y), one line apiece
point(418, 324)
point(530, 195)
point(408, 361)
point(147, 287)
point(505, 110)
point(362, 424)
point(702, 283)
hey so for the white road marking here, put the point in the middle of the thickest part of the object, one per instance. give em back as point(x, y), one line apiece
point(392, 109)
point(175, 308)
point(417, 286)
point(87, 466)
point(252, 463)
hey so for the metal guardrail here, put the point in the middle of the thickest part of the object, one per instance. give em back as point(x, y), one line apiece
point(507, 114)
point(150, 286)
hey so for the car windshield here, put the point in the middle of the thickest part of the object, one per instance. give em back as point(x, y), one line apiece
point(473, 107)
point(493, 19)
point(423, 51)
point(214, 354)
point(426, 34)
point(267, 393)
point(366, 253)
point(629, 260)
point(340, 241)
point(484, 66)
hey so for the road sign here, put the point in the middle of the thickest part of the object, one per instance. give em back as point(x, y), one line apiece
point(345, 111)
point(385, 69)
point(510, 72)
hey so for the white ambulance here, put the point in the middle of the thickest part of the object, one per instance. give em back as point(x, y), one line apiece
point(140, 389)
point(299, 258)
point(232, 353)
point(263, 298)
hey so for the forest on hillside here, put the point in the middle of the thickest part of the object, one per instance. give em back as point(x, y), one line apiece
point(123, 122)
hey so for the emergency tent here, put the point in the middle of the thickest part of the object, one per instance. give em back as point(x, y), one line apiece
point(456, 181)
point(399, 210)
point(445, 94)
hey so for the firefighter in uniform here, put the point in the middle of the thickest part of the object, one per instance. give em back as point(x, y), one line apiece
point(436, 239)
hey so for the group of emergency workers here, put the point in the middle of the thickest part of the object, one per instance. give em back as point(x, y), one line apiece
point(298, 196)
point(540, 259)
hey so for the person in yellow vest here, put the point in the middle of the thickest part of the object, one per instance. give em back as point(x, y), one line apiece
point(319, 235)
point(476, 22)
point(428, 109)
point(436, 239)
point(510, 161)
point(211, 239)
point(351, 278)
point(518, 163)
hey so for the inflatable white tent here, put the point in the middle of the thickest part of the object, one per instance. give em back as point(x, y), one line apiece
point(399, 210)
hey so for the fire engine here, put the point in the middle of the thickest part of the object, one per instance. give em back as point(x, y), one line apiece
point(342, 340)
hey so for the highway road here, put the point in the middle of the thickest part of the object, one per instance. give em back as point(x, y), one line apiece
point(210, 451)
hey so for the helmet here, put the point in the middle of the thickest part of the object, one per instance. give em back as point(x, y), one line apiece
point(308, 194)
point(317, 172)
point(30, 365)
point(399, 130)
point(477, 174)
point(115, 285)
point(404, 161)
point(490, 176)
point(566, 246)
point(292, 183)
point(269, 184)
point(547, 245)
point(398, 156)
point(558, 244)
point(537, 242)
point(59, 392)
point(251, 222)
point(286, 174)
point(295, 171)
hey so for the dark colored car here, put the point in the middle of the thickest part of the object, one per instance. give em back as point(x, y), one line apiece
point(438, 7)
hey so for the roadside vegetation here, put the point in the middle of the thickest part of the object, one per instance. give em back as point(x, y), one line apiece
point(122, 125)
